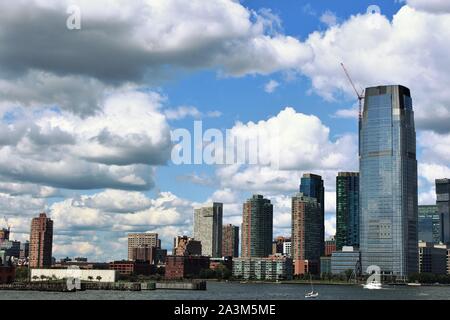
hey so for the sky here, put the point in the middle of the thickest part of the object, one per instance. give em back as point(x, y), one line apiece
point(90, 116)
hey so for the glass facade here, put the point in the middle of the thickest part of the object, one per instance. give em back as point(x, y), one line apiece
point(443, 207)
point(429, 224)
point(311, 185)
point(388, 182)
point(347, 209)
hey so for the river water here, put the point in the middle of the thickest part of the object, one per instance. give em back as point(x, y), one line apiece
point(246, 291)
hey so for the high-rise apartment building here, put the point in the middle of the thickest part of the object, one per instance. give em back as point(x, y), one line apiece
point(257, 227)
point(41, 242)
point(141, 241)
point(311, 185)
point(443, 207)
point(347, 209)
point(230, 241)
point(208, 229)
point(388, 182)
point(306, 233)
point(429, 224)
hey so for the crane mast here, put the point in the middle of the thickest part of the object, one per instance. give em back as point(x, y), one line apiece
point(359, 95)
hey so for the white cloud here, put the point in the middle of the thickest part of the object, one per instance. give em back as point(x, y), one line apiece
point(189, 111)
point(329, 18)
point(378, 51)
point(271, 86)
point(351, 113)
point(433, 6)
point(115, 148)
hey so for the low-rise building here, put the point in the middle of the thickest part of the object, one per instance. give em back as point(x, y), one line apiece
point(325, 265)
point(82, 274)
point(7, 270)
point(186, 246)
point(302, 267)
point(180, 267)
point(330, 247)
point(346, 259)
point(125, 267)
point(215, 263)
point(432, 258)
point(274, 267)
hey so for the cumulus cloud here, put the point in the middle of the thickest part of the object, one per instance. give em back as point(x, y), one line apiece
point(433, 6)
point(116, 148)
point(53, 65)
point(379, 51)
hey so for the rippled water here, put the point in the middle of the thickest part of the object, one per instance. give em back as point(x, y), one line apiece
point(247, 291)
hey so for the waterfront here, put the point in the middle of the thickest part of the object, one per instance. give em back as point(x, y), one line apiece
point(247, 291)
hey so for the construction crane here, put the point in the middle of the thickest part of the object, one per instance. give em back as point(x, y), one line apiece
point(359, 95)
point(7, 224)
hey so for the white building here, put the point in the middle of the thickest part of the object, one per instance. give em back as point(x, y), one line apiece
point(287, 248)
point(82, 274)
point(208, 229)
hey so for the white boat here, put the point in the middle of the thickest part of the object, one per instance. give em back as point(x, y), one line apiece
point(312, 294)
point(373, 285)
point(414, 284)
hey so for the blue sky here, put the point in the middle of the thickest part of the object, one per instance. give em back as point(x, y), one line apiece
point(87, 114)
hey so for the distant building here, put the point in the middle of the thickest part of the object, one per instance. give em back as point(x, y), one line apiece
point(432, 258)
point(80, 259)
point(281, 245)
point(257, 227)
point(186, 246)
point(230, 241)
point(447, 248)
point(4, 234)
point(24, 250)
point(429, 224)
point(311, 185)
point(443, 205)
point(287, 248)
point(325, 265)
point(208, 229)
point(330, 247)
point(141, 240)
point(180, 267)
point(41, 242)
point(226, 262)
point(347, 259)
point(306, 233)
point(347, 209)
point(125, 267)
point(11, 248)
point(274, 267)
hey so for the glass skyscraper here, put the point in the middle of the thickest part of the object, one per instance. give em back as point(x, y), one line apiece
point(429, 224)
point(347, 209)
point(443, 207)
point(388, 181)
point(311, 185)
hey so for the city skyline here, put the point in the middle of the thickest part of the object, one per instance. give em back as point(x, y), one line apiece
point(91, 144)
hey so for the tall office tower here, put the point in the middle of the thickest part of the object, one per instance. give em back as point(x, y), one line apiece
point(429, 224)
point(230, 241)
point(311, 185)
point(208, 229)
point(306, 236)
point(443, 206)
point(41, 242)
point(141, 240)
point(388, 182)
point(257, 227)
point(347, 209)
